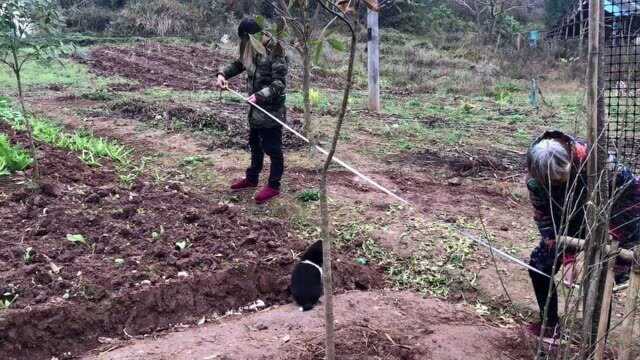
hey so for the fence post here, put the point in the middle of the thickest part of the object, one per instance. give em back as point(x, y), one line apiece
point(373, 69)
point(598, 184)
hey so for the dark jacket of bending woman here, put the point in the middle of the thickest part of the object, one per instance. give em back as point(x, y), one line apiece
point(557, 184)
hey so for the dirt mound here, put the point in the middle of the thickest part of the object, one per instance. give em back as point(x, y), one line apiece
point(225, 122)
point(370, 325)
point(153, 64)
point(150, 256)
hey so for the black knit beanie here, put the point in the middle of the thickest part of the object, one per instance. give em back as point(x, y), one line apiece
point(248, 26)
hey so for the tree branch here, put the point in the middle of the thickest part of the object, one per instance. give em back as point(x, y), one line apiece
point(25, 59)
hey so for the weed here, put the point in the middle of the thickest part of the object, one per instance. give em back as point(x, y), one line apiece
point(192, 160)
point(99, 95)
point(503, 98)
point(466, 108)
point(7, 299)
point(304, 227)
point(11, 158)
point(128, 178)
point(119, 262)
point(352, 231)
point(522, 136)
point(129, 172)
point(315, 97)
point(157, 235)
point(76, 239)
point(89, 147)
point(404, 144)
point(183, 245)
point(28, 255)
point(507, 87)
point(319, 101)
point(432, 267)
point(414, 103)
point(453, 137)
point(309, 196)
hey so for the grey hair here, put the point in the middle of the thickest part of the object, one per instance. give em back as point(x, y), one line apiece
point(549, 160)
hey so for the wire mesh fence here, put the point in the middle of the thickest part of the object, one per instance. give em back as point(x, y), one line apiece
point(622, 79)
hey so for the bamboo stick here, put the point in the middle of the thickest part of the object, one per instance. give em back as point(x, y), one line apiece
point(578, 244)
point(628, 321)
point(597, 180)
point(605, 311)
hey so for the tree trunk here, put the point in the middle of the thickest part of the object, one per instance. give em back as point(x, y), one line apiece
point(306, 85)
point(27, 121)
point(324, 210)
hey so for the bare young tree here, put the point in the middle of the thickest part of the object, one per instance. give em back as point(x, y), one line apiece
point(28, 34)
point(308, 39)
point(296, 16)
point(338, 12)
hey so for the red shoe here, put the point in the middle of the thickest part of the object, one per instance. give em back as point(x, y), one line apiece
point(243, 184)
point(267, 193)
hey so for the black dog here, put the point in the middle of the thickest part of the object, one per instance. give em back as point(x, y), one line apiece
point(306, 280)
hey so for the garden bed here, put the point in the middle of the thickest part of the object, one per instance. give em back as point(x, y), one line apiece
point(151, 255)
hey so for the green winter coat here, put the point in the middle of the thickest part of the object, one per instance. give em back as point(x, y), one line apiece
point(268, 82)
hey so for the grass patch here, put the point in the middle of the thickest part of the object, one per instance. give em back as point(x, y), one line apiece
point(436, 267)
point(12, 158)
point(37, 74)
point(309, 196)
point(89, 147)
point(99, 95)
point(320, 101)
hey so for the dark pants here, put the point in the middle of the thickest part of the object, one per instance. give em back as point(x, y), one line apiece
point(266, 141)
point(543, 259)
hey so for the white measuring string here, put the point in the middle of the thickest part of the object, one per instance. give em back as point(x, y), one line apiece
point(501, 253)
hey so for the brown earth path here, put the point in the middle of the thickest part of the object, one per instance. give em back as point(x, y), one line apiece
point(370, 325)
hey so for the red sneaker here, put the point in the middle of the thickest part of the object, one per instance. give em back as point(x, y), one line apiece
point(267, 193)
point(243, 184)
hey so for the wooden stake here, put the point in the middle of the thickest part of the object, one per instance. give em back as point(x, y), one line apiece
point(598, 185)
point(628, 321)
point(605, 311)
point(373, 69)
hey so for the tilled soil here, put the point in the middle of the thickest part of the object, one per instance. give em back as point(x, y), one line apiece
point(129, 276)
point(182, 67)
point(153, 64)
point(226, 122)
